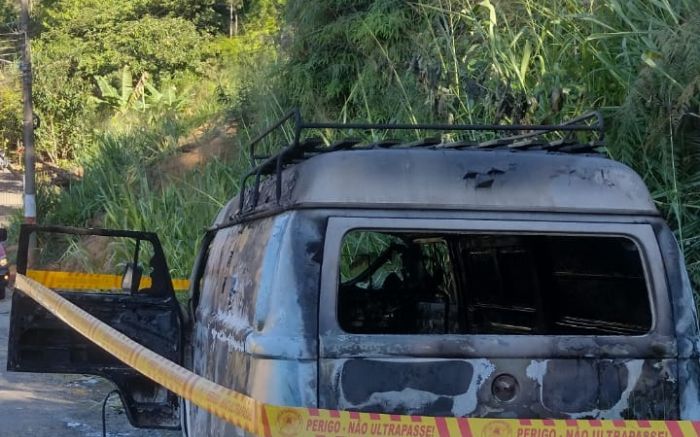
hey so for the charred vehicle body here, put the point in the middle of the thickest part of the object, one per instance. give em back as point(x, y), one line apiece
point(519, 277)
point(4, 264)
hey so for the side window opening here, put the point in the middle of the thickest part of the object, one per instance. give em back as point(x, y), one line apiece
point(456, 283)
point(97, 263)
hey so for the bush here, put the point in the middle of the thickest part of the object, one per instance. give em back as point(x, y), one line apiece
point(80, 41)
point(514, 61)
point(10, 108)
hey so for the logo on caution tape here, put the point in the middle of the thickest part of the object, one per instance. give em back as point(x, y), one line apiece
point(498, 428)
point(289, 422)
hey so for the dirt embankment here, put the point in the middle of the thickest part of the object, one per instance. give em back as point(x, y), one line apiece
point(204, 143)
point(213, 140)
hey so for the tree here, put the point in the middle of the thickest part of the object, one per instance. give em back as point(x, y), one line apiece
point(79, 40)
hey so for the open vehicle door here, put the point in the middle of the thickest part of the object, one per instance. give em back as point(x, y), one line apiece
point(120, 277)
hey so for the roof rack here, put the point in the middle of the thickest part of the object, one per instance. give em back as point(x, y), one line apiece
point(528, 137)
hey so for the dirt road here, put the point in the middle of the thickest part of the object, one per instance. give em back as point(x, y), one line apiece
point(10, 195)
point(40, 405)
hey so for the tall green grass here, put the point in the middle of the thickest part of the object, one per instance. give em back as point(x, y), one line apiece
point(513, 61)
point(508, 61)
point(120, 190)
point(122, 186)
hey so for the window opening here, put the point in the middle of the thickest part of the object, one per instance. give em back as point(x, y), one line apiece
point(457, 283)
point(95, 263)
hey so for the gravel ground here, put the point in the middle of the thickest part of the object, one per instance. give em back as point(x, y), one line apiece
point(43, 405)
point(10, 195)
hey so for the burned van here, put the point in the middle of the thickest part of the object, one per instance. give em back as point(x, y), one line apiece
point(521, 277)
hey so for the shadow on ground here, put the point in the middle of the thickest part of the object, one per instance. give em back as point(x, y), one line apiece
point(40, 405)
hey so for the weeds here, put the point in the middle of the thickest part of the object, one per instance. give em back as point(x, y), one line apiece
point(118, 192)
point(518, 61)
point(454, 61)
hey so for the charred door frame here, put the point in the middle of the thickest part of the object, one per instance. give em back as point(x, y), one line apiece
point(141, 414)
point(26, 230)
point(336, 343)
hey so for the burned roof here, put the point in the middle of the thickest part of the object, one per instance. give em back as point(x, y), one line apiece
point(516, 173)
point(459, 180)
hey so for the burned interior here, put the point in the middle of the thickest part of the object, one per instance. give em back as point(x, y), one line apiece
point(461, 283)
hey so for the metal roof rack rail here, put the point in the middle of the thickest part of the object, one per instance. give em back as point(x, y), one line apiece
point(299, 148)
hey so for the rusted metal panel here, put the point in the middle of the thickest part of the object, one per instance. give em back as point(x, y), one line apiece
point(224, 315)
point(685, 322)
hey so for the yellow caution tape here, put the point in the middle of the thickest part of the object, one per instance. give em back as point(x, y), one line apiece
point(287, 422)
point(278, 421)
point(231, 406)
point(91, 281)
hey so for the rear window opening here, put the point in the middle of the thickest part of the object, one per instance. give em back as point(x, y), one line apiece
point(456, 283)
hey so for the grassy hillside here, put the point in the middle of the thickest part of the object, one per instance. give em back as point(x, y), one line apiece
point(116, 105)
point(514, 61)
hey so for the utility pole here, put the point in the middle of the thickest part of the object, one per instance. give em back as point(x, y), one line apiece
point(233, 19)
point(28, 126)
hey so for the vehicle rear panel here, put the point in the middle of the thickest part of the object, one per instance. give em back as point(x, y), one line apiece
point(550, 376)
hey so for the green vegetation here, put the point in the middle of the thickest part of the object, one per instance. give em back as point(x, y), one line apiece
point(121, 84)
point(515, 61)
point(119, 87)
